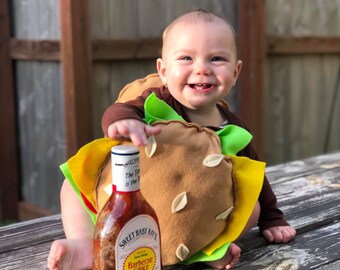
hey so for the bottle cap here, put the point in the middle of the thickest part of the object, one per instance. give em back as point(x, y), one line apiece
point(124, 150)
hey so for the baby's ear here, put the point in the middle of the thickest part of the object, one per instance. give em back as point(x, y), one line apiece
point(237, 70)
point(161, 71)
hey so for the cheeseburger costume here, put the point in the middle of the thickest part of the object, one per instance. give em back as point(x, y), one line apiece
point(203, 182)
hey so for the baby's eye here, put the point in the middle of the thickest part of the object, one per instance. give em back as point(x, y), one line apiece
point(187, 58)
point(218, 58)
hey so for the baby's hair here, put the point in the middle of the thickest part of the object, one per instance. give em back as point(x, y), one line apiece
point(202, 14)
point(197, 16)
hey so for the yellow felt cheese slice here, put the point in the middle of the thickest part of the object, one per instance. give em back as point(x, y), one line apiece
point(248, 175)
point(84, 165)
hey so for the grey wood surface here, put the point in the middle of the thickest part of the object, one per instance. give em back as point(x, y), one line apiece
point(308, 192)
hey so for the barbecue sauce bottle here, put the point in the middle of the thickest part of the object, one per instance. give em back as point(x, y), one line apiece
point(127, 235)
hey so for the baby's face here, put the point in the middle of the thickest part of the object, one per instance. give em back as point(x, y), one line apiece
point(199, 63)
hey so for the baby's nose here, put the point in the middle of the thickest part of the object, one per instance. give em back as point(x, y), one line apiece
point(202, 68)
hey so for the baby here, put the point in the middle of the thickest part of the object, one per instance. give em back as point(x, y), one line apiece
point(198, 68)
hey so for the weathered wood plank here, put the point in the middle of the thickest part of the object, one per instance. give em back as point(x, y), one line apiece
point(310, 200)
point(280, 173)
point(303, 253)
point(35, 258)
point(102, 50)
point(26, 245)
point(30, 233)
point(308, 251)
point(331, 266)
point(31, 258)
point(309, 186)
point(302, 45)
point(130, 49)
point(42, 50)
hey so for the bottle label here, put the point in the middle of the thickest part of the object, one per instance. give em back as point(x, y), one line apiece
point(125, 172)
point(138, 245)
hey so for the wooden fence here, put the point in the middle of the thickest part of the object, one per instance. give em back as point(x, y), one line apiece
point(302, 111)
point(64, 62)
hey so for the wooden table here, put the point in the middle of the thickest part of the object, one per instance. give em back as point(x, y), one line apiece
point(308, 192)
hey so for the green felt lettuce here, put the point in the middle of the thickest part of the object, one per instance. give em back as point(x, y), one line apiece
point(156, 109)
point(233, 138)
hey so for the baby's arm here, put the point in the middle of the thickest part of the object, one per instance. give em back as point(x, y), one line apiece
point(136, 130)
point(273, 226)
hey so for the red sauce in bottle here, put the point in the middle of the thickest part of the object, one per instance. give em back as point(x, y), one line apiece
point(127, 235)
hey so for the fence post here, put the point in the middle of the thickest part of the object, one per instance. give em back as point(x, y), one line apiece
point(9, 193)
point(76, 61)
point(253, 54)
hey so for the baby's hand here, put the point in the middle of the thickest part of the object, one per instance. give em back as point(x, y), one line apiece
point(279, 234)
point(136, 130)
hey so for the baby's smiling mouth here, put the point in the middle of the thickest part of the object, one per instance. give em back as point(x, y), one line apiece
point(201, 86)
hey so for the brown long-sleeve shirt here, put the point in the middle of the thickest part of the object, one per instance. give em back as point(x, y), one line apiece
point(270, 214)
